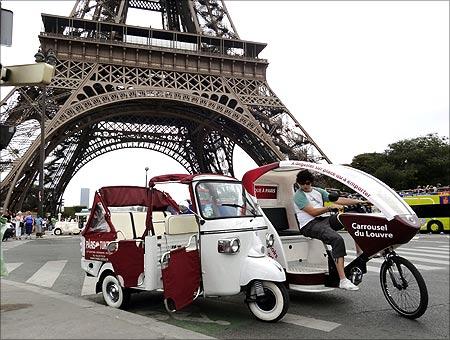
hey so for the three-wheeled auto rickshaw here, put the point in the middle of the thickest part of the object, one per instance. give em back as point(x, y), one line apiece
point(308, 263)
point(137, 239)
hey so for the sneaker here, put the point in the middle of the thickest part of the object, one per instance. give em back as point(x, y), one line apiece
point(347, 285)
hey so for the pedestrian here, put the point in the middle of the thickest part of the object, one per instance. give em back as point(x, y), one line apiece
point(3, 270)
point(52, 223)
point(186, 206)
point(8, 231)
point(44, 224)
point(38, 226)
point(29, 223)
point(18, 221)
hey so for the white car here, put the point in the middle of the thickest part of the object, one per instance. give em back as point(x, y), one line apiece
point(63, 227)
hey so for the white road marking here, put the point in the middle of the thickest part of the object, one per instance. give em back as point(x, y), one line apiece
point(422, 240)
point(373, 269)
point(7, 245)
point(88, 285)
point(413, 258)
point(427, 260)
point(418, 266)
point(11, 266)
point(47, 274)
point(431, 250)
point(407, 252)
point(304, 321)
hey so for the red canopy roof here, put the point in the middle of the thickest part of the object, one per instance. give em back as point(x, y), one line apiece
point(122, 196)
point(168, 178)
point(251, 176)
point(181, 178)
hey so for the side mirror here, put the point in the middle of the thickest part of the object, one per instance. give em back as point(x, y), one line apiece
point(333, 196)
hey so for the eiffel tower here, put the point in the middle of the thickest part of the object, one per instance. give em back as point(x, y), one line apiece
point(191, 90)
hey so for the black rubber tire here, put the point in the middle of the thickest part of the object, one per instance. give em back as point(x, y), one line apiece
point(57, 232)
point(415, 295)
point(435, 230)
point(273, 306)
point(114, 294)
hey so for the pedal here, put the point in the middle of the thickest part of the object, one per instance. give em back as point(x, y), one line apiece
point(356, 275)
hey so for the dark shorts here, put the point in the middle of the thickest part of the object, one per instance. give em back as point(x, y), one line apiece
point(325, 229)
point(28, 229)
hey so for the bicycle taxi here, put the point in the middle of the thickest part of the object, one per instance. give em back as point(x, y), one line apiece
point(137, 239)
point(308, 263)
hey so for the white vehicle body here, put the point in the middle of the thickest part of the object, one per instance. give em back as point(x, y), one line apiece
point(223, 242)
point(65, 227)
point(308, 262)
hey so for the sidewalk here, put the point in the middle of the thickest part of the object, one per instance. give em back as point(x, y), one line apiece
point(31, 312)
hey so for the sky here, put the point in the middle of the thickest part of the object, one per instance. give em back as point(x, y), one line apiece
point(357, 75)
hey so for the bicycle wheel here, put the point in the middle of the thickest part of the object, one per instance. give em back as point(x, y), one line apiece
point(404, 287)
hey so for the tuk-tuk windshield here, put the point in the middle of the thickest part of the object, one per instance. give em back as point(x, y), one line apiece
point(224, 199)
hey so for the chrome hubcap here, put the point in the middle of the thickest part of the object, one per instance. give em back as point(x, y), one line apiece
point(113, 291)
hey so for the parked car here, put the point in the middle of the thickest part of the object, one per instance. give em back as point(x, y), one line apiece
point(65, 227)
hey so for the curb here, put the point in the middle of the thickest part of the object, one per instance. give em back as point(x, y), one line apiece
point(153, 326)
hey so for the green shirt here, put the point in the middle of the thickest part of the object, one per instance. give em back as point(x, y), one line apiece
point(302, 201)
point(315, 197)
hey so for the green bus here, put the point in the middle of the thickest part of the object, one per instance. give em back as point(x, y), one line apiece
point(434, 210)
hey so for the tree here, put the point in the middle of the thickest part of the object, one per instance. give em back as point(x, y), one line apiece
point(70, 211)
point(410, 162)
point(369, 162)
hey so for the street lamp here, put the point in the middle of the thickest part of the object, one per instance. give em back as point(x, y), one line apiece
point(51, 59)
point(146, 169)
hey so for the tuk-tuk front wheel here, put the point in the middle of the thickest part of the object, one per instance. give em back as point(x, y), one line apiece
point(114, 294)
point(270, 306)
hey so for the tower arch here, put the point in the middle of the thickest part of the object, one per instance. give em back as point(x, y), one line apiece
point(193, 90)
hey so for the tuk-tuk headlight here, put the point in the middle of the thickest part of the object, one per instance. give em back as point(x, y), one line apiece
point(112, 247)
point(270, 239)
point(229, 246)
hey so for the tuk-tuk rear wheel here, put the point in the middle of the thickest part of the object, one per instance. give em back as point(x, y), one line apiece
point(114, 294)
point(273, 305)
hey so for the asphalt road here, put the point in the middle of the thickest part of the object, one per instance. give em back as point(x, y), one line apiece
point(336, 314)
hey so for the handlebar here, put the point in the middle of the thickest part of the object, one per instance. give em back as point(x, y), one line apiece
point(365, 207)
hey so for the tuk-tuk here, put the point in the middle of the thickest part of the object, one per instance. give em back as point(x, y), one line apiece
point(138, 239)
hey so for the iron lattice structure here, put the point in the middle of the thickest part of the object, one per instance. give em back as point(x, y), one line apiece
point(192, 90)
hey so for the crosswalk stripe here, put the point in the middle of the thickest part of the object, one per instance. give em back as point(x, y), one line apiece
point(47, 274)
point(88, 285)
point(407, 252)
point(373, 269)
point(412, 258)
point(425, 267)
point(434, 242)
point(418, 266)
point(322, 325)
point(11, 266)
point(431, 250)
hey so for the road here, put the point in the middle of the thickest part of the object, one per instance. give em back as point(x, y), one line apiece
point(54, 263)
